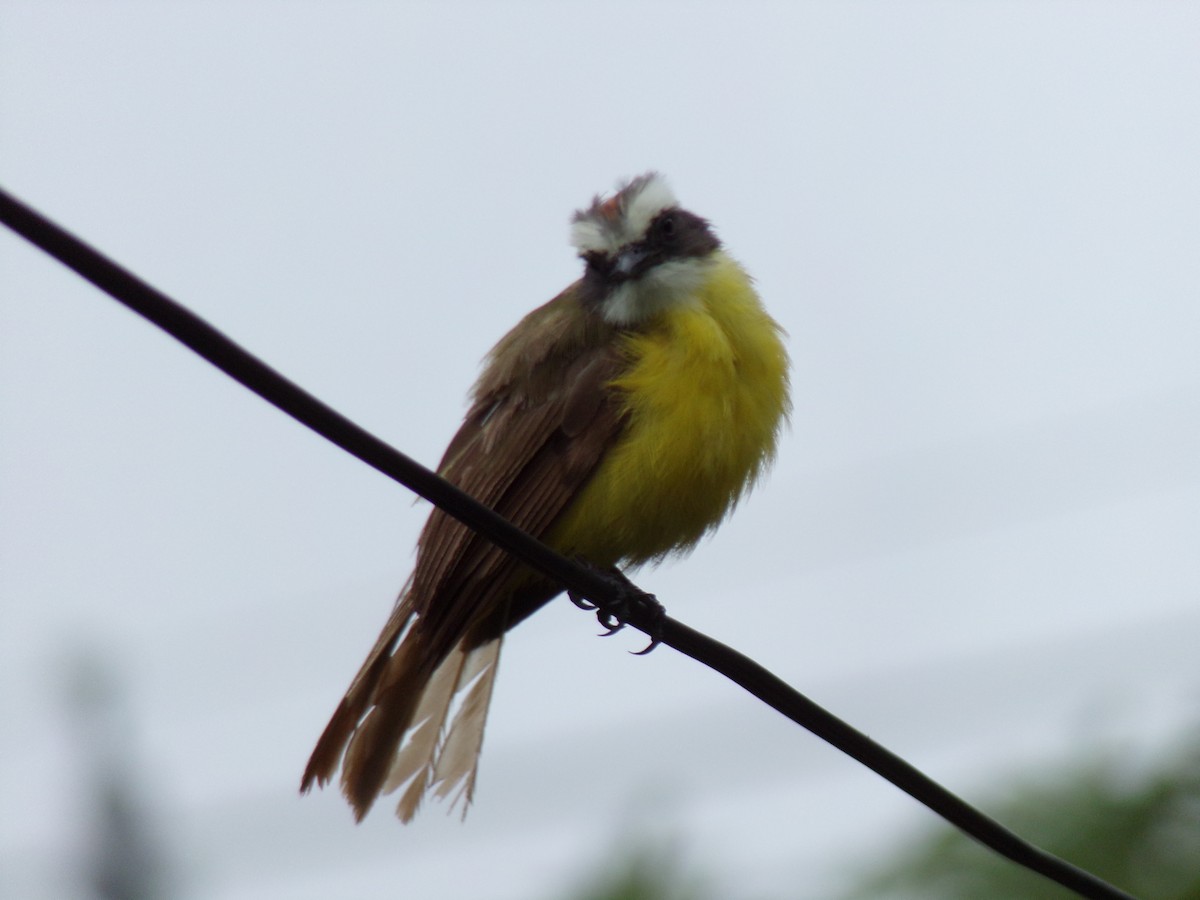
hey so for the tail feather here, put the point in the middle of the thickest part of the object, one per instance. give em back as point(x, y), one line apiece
point(394, 727)
point(428, 721)
point(373, 744)
point(415, 761)
point(331, 747)
point(458, 760)
point(438, 757)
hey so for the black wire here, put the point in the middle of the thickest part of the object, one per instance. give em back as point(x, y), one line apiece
point(273, 387)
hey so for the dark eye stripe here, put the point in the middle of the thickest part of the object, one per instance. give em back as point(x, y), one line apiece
point(672, 234)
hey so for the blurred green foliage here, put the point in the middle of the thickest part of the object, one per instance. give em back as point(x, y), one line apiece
point(1138, 830)
point(1134, 824)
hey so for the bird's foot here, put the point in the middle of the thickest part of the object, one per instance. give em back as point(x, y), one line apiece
point(629, 602)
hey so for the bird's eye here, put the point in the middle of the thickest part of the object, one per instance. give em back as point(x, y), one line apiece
point(666, 226)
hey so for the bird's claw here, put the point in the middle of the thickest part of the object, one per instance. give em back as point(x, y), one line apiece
point(581, 601)
point(658, 613)
point(613, 616)
point(609, 622)
point(654, 642)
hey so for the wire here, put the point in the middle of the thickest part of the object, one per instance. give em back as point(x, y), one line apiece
point(615, 598)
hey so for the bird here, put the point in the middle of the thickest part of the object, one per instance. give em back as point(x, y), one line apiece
point(619, 423)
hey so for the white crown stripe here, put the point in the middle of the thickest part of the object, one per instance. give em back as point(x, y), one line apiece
point(604, 229)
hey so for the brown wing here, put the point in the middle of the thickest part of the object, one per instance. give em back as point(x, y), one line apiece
point(526, 453)
point(542, 418)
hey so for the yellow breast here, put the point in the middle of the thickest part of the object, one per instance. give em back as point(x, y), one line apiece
point(706, 392)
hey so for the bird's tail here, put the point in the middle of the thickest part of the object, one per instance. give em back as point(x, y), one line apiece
point(394, 727)
point(442, 753)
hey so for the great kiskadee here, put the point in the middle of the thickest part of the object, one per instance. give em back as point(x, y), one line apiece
point(618, 423)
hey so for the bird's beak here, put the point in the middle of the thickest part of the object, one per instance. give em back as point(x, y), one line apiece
point(628, 260)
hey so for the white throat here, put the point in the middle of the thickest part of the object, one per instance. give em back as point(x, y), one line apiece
point(671, 285)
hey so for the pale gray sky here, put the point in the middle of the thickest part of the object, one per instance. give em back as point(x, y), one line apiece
point(979, 223)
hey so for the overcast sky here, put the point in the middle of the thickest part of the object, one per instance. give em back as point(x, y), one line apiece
point(979, 223)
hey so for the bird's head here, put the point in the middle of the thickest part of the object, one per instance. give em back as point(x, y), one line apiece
point(643, 252)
